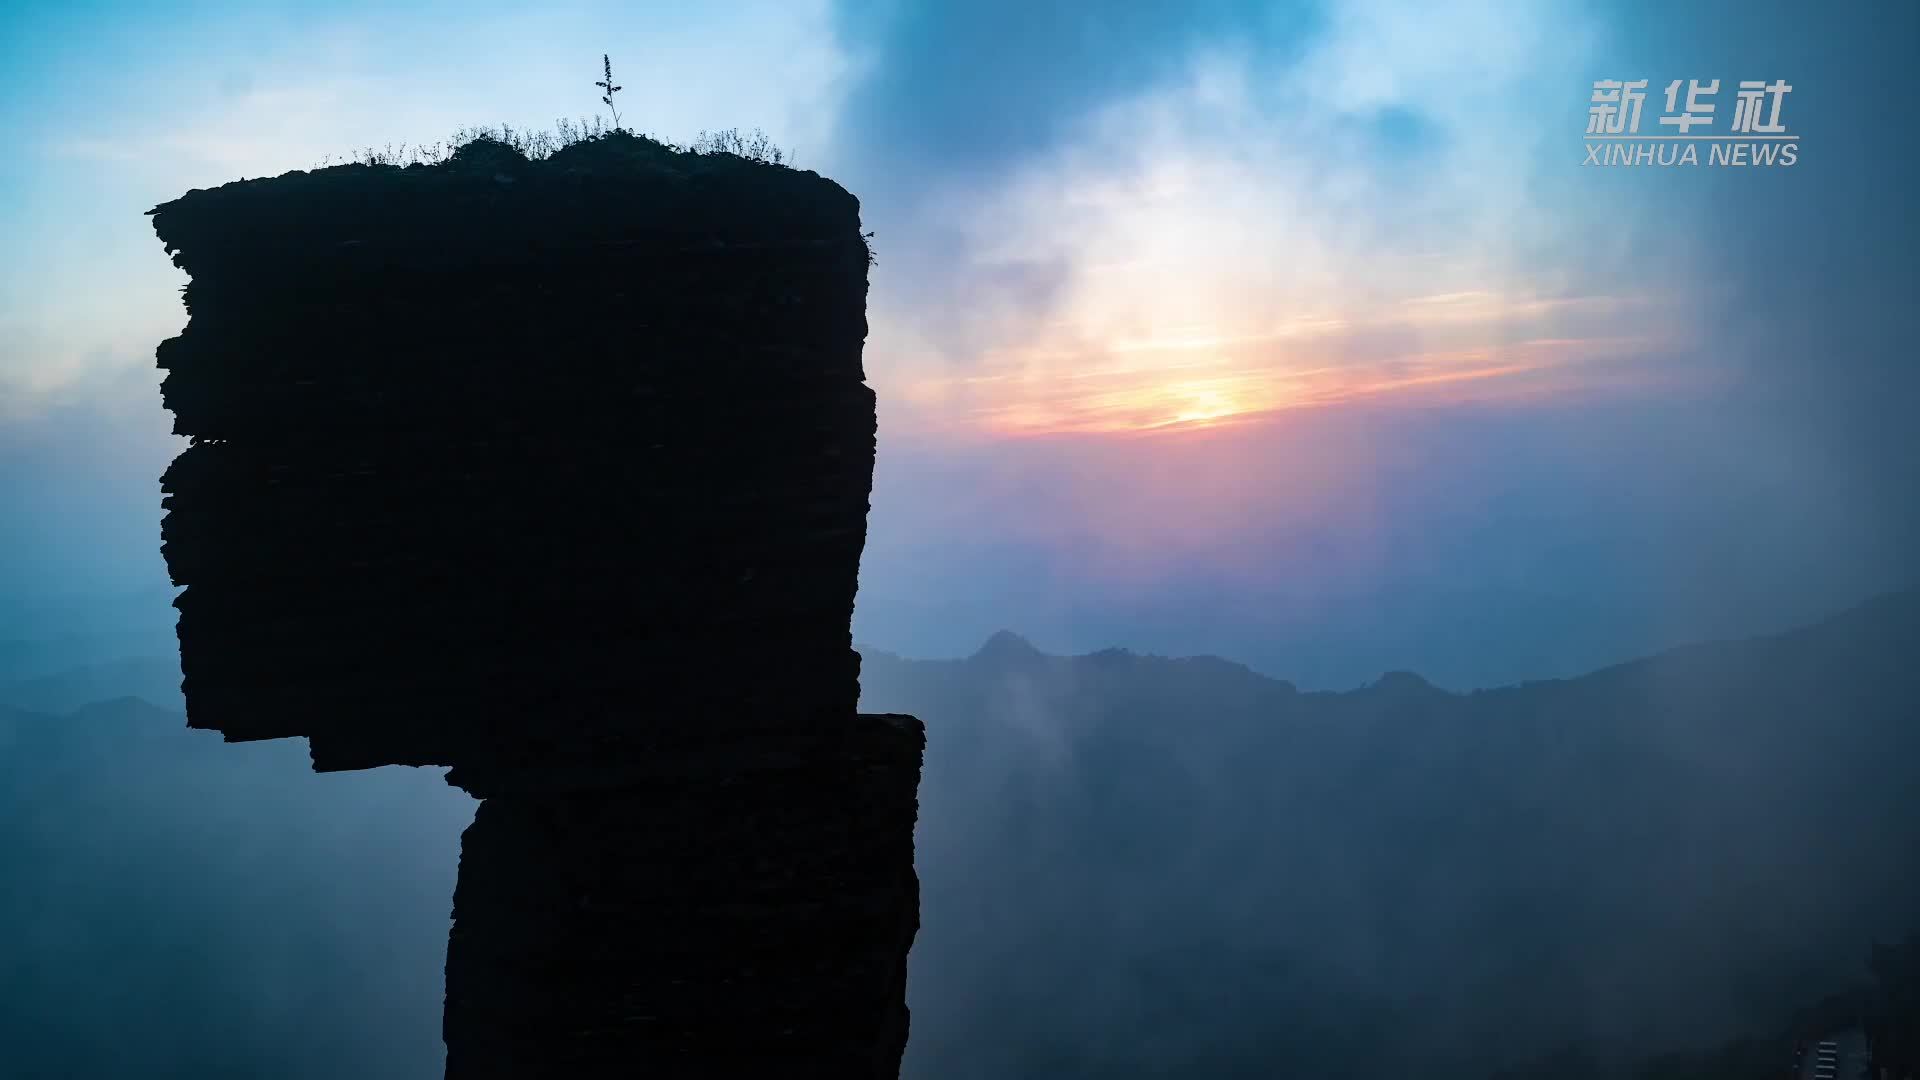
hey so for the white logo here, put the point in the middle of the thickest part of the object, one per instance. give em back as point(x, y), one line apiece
point(1755, 133)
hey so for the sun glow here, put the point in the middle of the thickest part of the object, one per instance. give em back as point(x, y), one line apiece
point(1203, 403)
point(1199, 402)
point(1055, 391)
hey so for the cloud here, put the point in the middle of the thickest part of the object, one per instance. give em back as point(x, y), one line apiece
point(1195, 232)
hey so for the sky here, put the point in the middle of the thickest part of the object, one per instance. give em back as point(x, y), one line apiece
point(1297, 333)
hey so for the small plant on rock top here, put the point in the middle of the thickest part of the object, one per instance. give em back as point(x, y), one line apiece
point(608, 89)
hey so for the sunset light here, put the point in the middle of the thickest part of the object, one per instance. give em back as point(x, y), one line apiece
point(1131, 390)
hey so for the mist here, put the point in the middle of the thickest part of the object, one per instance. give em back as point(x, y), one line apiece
point(180, 907)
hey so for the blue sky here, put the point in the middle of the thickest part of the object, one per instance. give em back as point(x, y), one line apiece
point(1295, 332)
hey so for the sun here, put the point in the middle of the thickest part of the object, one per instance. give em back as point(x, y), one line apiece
point(1199, 403)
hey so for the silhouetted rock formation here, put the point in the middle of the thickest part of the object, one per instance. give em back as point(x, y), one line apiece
point(511, 466)
point(1893, 1028)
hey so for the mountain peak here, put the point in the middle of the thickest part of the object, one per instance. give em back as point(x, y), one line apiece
point(1403, 682)
point(1006, 646)
point(124, 708)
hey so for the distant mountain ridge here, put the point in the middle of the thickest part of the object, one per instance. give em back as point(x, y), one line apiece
point(153, 679)
point(156, 679)
point(1875, 613)
point(1664, 853)
point(1133, 865)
